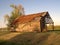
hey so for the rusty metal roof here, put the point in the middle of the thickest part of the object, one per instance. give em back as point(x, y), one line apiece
point(28, 18)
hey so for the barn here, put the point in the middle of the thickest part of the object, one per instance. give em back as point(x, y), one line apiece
point(33, 22)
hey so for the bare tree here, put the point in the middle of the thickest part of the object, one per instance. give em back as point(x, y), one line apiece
point(6, 17)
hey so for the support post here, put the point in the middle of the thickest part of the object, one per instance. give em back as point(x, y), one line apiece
point(46, 27)
point(53, 26)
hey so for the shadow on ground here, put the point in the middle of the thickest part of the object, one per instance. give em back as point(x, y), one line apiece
point(34, 38)
point(27, 38)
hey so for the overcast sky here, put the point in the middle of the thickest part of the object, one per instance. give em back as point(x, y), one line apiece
point(32, 6)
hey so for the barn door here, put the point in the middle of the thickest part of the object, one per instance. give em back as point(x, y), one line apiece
point(42, 24)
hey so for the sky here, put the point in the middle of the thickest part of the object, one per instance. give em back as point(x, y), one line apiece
point(30, 7)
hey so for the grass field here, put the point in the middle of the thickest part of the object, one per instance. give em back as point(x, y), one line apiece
point(30, 38)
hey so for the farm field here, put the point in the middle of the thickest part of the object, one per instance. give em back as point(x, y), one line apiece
point(30, 38)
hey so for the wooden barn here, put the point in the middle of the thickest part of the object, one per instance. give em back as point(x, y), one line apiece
point(33, 22)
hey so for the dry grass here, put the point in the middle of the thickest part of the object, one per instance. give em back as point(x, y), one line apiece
point(30, 38)
point(8, 36)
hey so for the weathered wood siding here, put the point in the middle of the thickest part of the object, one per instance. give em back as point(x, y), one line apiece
point(34, 25)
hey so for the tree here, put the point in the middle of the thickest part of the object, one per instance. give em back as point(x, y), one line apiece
point(17, 11)
point(6, 17)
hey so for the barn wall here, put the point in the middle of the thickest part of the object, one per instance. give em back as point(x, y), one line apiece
point(29, 27)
